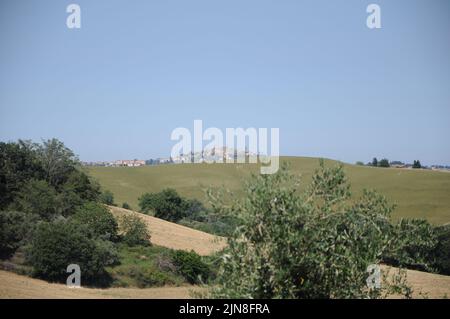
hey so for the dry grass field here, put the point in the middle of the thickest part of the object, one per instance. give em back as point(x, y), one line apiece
point(17, 286)
point(171, 235)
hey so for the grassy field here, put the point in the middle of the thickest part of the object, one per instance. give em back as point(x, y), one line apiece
point(417, 193)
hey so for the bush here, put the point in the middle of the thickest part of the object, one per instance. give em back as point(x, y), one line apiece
point(415, 241)
point(59, 244)
point(167, 205)
point(107, 198)
point(98, 220)
point(134, 231)
point(441, 252)
point(191, 266)
point(15, 230)
point(126, 205)
point(315, 243)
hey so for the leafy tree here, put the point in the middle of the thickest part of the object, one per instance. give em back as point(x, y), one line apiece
point(191, 266)
point(39, 198)
point(126, 205)
point(98, 220)
point(417, 164)
point(134, 231)
point(57, 161)
point(441, 252)
point(59, 244)
point(167, 204)
point(374, 162)
point(384, 163)
point(315, 243)
point(359, 163)
point(415, 241)
point(16, 229)
point(107, 198)
point(18, 164)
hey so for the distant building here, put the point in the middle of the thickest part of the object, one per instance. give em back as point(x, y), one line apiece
point(129, 163)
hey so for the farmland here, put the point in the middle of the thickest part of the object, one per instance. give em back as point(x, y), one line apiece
point(417, 193)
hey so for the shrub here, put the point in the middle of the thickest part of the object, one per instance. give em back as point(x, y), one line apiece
point(191, 266)
point(415, 241)
point(15, 230)
point(98, 220)
point(59, 244)
point(167, 204)
point(134, 231)
point(126, 205)
point(107, 198)
point(315, 243)
point(441, 252)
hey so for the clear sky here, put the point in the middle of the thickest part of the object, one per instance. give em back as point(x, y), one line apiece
point(117, 87)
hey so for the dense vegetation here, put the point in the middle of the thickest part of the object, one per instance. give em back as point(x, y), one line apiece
point(314, 242)
point(52, 213)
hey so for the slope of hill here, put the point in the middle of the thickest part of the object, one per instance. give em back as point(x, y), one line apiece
point(17, 286)
point(417, 193)
point(170, 235)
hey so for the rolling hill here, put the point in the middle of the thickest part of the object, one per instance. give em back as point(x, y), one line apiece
point(417, 193)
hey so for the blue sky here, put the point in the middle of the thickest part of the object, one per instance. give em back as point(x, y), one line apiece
point(117, 87)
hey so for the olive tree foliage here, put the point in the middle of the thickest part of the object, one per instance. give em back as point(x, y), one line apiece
point(310, 242)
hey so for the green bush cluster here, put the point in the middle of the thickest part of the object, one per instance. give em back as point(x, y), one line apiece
point(57, 244)
point(191, 266)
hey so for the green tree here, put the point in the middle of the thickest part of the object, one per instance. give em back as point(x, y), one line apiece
point(415, 241)
point(191, 266)
point(167, 204)
point(39, 198)
point(384, 163)
point(98, 220)
point(315, 243)
point(126, 205)
point(441, 252)
point(134, 231)
point(18, 164)
point(374, 162)
point(57, 161)
point(417, 164)
point(107, 198)
point(16, 229)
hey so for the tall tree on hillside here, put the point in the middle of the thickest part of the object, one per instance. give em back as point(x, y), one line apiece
point(57, 160)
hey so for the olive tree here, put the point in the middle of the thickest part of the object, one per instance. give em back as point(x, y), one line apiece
point(310, 242)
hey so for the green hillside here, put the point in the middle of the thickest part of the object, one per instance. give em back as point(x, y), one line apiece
point(418, 193)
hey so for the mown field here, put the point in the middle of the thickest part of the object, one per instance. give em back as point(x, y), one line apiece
point(417, 193)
